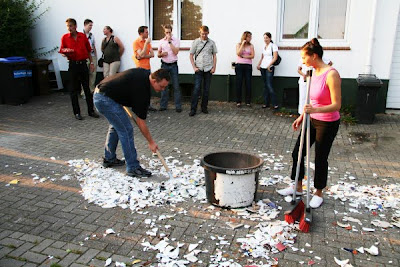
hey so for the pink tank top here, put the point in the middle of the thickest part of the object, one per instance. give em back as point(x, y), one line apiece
point(245, 52)
point(320, 96)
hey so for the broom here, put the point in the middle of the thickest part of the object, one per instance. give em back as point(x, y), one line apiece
point(297, 209)
point(306, 218)
point(160, 157)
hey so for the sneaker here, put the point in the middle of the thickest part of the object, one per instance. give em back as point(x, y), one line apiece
point(316, 202)
point(238, 105)
point(204, 110)
point(78, 117)
point(248, 104)
point(264, 106)
point(162, 109)
point(192, 113)
point(288, 191)
point(179, 110)
point(139, 172)
point(151, 108)
point(113, 162)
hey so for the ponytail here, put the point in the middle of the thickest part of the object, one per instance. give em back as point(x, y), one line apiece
point(313, 47)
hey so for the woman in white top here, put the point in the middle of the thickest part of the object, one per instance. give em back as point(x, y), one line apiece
point(268, 57)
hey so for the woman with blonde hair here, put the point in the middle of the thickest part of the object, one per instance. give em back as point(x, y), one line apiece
point(243, 67)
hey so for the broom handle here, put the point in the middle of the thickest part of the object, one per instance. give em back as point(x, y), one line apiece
point(160, 157)
point(308, 144)
point(303, 125)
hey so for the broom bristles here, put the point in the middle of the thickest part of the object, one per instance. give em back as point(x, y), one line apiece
point(295, 213)
point(304, 225)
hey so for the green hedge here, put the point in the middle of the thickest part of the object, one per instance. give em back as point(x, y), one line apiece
point(17, 18)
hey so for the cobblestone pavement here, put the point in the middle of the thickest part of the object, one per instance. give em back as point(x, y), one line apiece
point(38, 220)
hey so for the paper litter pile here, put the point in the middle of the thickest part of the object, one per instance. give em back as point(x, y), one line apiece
point(109, 188)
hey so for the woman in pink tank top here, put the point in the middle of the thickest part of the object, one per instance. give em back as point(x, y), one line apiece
point(243, 67)
point(325, 97)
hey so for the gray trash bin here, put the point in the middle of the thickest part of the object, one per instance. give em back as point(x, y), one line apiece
point(368, 86)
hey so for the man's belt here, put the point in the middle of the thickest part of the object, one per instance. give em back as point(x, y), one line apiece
point(78, 62)
point(169, 64)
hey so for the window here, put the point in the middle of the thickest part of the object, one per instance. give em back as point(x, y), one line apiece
point(306, 19)
point(185, 16)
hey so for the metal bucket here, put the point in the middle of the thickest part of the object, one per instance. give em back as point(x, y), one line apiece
point(231, 178)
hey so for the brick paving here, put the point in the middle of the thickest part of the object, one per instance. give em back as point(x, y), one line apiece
point(50, 223)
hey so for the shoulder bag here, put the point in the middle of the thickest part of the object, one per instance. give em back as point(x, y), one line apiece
point(100, 62)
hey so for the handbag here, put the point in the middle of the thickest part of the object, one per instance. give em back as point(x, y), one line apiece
point(278, 60)
point(100, 62)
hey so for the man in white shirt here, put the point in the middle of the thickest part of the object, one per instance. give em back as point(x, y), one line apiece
point(87, 27)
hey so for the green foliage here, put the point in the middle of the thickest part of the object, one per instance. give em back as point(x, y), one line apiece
point(346, 115)
point(17, 19)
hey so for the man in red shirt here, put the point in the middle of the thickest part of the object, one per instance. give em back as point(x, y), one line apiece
point(75, 46)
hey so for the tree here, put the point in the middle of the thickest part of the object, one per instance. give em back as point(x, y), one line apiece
point(17, 19)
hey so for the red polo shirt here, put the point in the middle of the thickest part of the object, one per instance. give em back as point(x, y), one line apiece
point(81, 47)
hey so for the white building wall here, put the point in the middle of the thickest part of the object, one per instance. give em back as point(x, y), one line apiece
point(227, 19)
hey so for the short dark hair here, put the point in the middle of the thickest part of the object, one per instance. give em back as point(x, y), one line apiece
point(71, 20)
point(313, 47)
point(141, 29)
point(161, 74)
point(87, 21)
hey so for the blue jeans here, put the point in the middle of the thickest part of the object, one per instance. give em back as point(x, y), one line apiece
point(268, 89)
point(199, 78)
point(120, 129)
point(243, 70)
point(173, 71)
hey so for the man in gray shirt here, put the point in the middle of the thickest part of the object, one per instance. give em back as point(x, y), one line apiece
point(203, 56)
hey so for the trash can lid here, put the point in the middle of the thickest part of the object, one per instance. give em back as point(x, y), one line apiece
point(368, 80)
point(12, 59)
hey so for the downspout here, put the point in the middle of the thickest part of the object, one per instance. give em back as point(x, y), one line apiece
point(368, 63)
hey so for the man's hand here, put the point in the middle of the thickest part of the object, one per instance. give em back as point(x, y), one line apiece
point(153, 147)
point(212, 70)
point(91, 67)
point(148, 40)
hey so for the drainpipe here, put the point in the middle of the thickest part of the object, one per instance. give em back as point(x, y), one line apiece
point(228, 86)
point(368, 64)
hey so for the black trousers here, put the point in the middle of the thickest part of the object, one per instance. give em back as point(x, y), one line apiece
point(322, 133)
point(79, 75)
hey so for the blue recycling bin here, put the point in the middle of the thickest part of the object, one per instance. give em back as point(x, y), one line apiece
point(16, 78)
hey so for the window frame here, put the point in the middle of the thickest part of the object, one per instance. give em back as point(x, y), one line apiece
point(313, 27)
point(177, 23)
